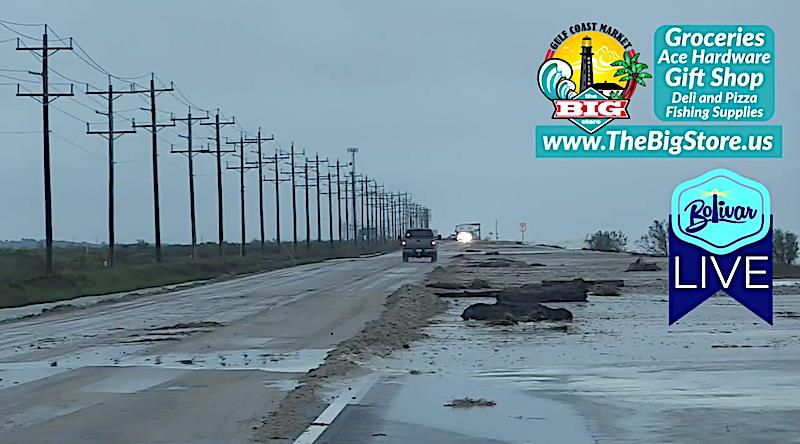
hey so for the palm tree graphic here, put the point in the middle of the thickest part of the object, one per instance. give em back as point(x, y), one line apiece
point(631, 71)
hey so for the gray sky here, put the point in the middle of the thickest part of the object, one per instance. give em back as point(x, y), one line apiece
point(440, 97)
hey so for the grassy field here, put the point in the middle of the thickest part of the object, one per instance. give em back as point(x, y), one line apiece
point(83, 271)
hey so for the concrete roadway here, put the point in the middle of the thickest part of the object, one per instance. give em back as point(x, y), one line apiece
point(200, 365)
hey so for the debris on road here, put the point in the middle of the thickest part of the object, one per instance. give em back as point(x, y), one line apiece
point(530, 312)
point(500, 262)
point(466, 403)
point(406, 311)
point(640, 265)
point(188, 325)
point(566, 291)
point(475, 284)
point(605, 289)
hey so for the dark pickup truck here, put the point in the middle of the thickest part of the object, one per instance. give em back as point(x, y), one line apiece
point(419, 242)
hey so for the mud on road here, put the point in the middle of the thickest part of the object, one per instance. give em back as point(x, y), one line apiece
point(614, 373)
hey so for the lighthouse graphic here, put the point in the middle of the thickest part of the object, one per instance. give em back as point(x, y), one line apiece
point(587, 75)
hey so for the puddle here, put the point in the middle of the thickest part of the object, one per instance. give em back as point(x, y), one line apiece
point(421, 401)
point(13, 374)
point(624, 371)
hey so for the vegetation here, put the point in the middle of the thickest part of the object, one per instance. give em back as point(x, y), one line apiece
point(82, 271)
point(655, 242)
point(784, 246)
point(607, 241)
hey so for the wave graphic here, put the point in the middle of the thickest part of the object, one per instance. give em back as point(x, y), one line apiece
point(554, 82)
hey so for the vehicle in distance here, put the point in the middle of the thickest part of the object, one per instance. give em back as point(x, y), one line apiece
point(419, 242)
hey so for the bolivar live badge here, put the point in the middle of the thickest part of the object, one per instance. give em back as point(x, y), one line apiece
point(720, 240)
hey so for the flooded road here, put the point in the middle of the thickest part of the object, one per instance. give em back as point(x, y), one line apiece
point(617, 373)
point(199, 365)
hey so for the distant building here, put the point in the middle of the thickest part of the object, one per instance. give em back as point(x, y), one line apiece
point(607, 88)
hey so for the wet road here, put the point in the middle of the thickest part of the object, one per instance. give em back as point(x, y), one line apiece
point(200, 365)
point(617, 374)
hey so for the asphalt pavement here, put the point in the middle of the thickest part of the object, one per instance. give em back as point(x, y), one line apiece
point(200, 365)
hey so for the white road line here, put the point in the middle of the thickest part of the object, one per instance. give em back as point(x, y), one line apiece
point(326, 418)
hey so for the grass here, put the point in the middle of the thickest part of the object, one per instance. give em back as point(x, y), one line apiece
point(83, 271)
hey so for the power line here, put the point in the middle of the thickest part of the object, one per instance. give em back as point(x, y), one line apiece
point(21, 24)
point(78, 146)
point(21, 132)
point(3, 24)
point(19, 79)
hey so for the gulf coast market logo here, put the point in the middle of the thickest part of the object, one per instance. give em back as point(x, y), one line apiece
point(590, 73)
point(720, 240)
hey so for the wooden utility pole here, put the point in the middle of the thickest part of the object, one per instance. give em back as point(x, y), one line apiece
point(153, 127)
point(110, 134)
point(353, 152)
point(403, 212)
point(276, 166)
point(330, 208)
point(329, 193)
point(45, 97)
point(393, 221)
point(293, 173)
point(339, 199)
point(218, 153)
point(365, 207)
point(346, 212)
point(319, 192)
point(260, 164)
point(242, 167)
point(308, 213)
point(190, 153)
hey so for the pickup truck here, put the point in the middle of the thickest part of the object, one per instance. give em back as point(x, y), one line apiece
point(419, 242)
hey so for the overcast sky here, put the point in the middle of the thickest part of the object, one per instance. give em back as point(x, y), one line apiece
point(440, 97)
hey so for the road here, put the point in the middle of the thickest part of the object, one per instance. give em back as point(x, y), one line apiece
point(618, 373)
point(200, 365)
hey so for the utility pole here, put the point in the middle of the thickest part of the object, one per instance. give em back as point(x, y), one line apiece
point(365, 207)
point(293, 175)
point(110, 134)
point(277, 180)
point(153, 127)
point(376, 199)
point(190, 153)
point(353, 152)
point(319, 192)
point(382, 207)
point(403, 211)
point(218, 153)
point(339, 199)
point(260, 163)
point(393, 205)
point(330, 209)
point(242, 167)
point(308, 214)
point(346, 212)
point(45, 97)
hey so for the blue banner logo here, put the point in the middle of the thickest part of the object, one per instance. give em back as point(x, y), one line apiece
point(720, 240)
point(720, 211)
